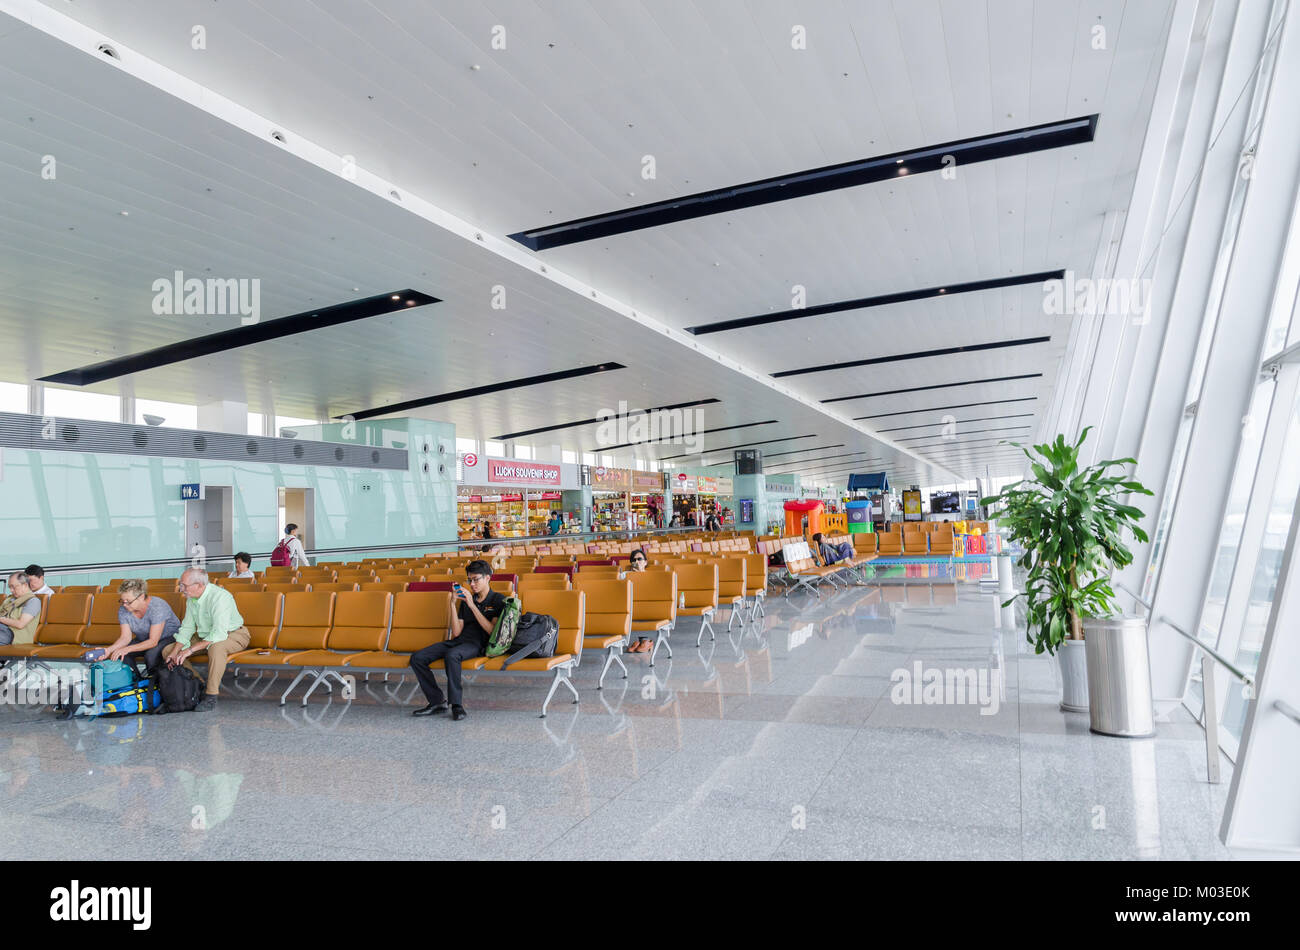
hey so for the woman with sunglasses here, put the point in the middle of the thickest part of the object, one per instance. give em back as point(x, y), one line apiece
point(636, 561)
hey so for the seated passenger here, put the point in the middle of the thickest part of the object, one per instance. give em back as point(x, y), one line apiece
point(830, 553)
point(20, 612)
point(36, 580)
point(243, 565)
point(212, 623)
point(471, 625)
point(636, 561)
point(149, 625)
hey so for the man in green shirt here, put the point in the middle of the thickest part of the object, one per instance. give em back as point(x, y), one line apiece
point(211, 623)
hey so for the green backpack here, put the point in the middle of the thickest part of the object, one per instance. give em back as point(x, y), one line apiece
point(503, 631)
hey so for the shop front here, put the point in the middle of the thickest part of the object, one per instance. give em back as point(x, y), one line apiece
point(686, 500)
point(510, 497)
point(647, 499)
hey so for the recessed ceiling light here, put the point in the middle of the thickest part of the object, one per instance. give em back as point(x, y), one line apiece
point(397, 296)
point(942, 290)
point(410, 303)
point(898, 161)
point(476, 67)
point(125, 214)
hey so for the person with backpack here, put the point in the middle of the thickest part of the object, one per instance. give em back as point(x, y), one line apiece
point(471, 626)
point(212, 623)
point(289, 552)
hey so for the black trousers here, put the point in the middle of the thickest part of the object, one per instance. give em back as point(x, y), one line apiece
point(452, 653)
point(146, 660)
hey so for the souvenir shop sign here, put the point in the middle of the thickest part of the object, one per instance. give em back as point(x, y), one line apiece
point(684, 484)
point(610, 479)
point(708, 485)
point(647, 481)
point(515, 472)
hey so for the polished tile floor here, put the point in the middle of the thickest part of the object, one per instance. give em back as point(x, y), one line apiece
point(783, 741)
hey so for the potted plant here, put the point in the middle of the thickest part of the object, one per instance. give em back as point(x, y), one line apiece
point(1070, 521)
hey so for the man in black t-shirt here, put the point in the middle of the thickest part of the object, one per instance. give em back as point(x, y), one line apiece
point(471, 625)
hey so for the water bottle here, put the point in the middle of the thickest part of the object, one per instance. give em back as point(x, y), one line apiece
point(681, 601)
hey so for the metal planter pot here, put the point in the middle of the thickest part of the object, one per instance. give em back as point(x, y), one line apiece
point(1074, 676)
point(1119, 677)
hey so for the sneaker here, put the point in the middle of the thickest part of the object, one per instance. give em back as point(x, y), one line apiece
point(207, 704)
point(458, 713)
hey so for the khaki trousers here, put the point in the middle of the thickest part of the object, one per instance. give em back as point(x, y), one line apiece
point(218, 655)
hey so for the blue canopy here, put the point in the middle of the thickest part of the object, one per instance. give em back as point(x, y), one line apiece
point(871, 481)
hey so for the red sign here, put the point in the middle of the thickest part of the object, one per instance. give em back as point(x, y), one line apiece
point(681, 476)
point(522, 473)
point(512, 497)
point(550, 496)
point(471, 459)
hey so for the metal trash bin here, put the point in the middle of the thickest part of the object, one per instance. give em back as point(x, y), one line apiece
point(1119, 677)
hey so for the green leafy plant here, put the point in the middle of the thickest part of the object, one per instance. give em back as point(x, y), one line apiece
point(1069, 522)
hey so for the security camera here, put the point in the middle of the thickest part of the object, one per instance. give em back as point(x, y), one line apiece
point(153, 420)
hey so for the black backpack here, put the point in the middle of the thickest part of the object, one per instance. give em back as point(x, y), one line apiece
point(536, 635)
point(180, 689)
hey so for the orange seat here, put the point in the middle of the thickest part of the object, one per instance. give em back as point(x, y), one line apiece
point(420, 619)
point(654, 606)
point(305, 625)
point(609, 618)
point(68, 616)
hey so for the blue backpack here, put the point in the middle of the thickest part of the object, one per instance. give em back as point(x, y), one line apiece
point(121, 693)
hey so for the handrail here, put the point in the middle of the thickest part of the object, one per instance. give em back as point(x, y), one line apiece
point(1287, 710)
point(1144, 603)
point(1243, 677)
point(97, 567)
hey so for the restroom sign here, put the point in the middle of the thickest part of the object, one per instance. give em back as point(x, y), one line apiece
point(191, 492)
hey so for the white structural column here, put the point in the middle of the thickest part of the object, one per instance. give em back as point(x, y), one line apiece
point(1185, 269)
point(1261, 811)
point(1163, 154)
point(1122, 315)
point(1231, 371)
point(224, 416)
point(1157, 381)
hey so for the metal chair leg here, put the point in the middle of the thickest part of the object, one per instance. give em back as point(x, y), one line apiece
point(302, 674)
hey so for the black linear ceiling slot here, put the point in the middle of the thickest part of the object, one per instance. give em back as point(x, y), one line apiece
point(817, 458)
point(825, 469)
point(964, 405)
point(881, 300)
point(959, 422)
point(814, 181)
point(777, 455)
point(729, 448)
point(584, 422)
point(919, 389)
point(669, 440)
point(920, 355)
point(482, 390)
point(922, 438)
point(260, 332)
